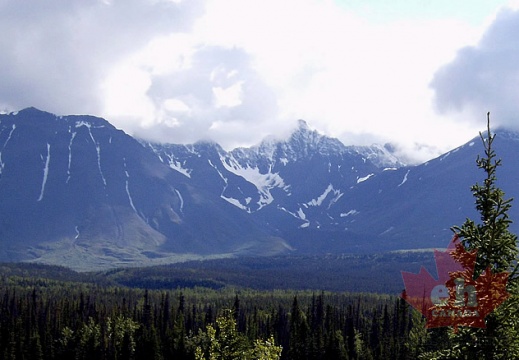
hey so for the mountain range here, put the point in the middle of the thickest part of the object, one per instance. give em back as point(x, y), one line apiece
point(76, 191)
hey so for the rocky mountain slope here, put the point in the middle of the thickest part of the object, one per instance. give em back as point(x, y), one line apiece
point(78, 192)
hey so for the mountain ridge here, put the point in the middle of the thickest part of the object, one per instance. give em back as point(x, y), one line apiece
point(78, 192)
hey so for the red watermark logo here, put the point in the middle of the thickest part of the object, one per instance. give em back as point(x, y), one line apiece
point(455, 298)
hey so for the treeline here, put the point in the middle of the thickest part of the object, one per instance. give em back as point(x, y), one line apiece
point(50, 319)
point(373, 273)
point(379, 273)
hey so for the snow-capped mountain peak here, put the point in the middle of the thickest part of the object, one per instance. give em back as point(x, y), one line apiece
point(75, 188)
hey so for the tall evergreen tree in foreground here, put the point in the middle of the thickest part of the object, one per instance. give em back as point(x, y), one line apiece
point(496, 250)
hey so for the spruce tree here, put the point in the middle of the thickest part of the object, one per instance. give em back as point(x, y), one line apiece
point(496, 245)
point(496, 250)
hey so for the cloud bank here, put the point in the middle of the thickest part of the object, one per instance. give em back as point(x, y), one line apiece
point(484, 77)
point(235, 71)
point(56, 54)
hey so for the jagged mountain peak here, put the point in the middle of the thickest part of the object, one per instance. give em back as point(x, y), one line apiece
point(207, 146)
point(382, 156)
point(303, 138)
point(302, 143)
point(77, 192)
point(302, 124)
point(82, 187)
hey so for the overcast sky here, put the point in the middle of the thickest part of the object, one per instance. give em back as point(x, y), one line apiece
point(421, 74)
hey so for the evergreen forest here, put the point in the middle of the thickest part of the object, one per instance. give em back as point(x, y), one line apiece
point(45, 318)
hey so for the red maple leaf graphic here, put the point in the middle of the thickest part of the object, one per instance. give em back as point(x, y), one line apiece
point(456, 298)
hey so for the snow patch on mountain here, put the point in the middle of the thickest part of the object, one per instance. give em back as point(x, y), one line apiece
point(299, 214)
point(70, 153)
point(2, 164)
point(127, 187)
point(176, 165)
point(352, 212)
point(218, 171)
point(230, 200)
point(404, 180)
point(45, 173)
point(321, 198)
point(96, 144)
point(236, 203)
point(173, 163)
point(263, 182)
point(181, 199)
point(364, 178)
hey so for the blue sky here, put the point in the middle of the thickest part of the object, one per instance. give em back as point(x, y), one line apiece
point(420, 74)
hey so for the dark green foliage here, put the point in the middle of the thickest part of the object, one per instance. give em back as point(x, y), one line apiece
point(49, 319)
point(497, 251)
point(378, 273)
point(496, 245)
point(374, 273)
point(51, 312)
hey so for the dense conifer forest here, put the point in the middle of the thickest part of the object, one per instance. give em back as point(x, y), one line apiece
point(49, 312)
point(374, 273)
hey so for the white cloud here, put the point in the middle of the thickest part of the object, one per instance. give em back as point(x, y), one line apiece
point(236, 71)
point(228, 97)
point(484, 77)
point(57, 54)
